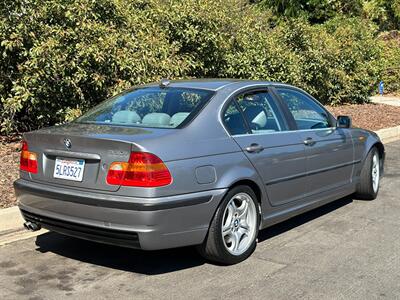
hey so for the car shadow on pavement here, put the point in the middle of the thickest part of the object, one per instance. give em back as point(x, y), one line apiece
point(124, 259)
point(157, 262)
point(299, 220)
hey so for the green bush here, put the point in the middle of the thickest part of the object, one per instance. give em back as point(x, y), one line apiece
point(337, 62)
point(384, 13)
point(317, 11)
point(391, 61)
point(355, 60)
point(60, 57)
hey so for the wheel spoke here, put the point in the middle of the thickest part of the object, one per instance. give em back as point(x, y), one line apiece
point(236, 239)
point(228, 218)
point(243, 209)
point(225, 231)
point(242, 234)
point(244, 225)
point(232, 208)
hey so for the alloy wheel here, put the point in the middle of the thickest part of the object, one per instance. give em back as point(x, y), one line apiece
point(375, 172)
point(239, 224)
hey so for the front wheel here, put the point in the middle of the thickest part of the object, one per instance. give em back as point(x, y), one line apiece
point(233, 231)
point(370, 176)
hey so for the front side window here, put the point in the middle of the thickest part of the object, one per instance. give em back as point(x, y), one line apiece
point(306, 112)
point(149, 107)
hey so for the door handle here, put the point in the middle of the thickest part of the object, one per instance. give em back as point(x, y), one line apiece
point(254, 148)
point(309, 142)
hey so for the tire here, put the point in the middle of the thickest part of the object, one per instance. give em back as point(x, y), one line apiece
point(368, 188)
point(236, 243)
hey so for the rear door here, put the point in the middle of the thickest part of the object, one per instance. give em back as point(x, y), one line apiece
point(329, 149)
point(257, 124)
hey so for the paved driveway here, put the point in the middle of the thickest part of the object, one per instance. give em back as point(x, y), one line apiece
point(347, 249)
point(389, 100)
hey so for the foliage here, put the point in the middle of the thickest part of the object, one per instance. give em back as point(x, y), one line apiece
point(337, 62)
point(391, 61)
point(385, 13)
point(317, 11)
point(355, 60)
point(60, 57)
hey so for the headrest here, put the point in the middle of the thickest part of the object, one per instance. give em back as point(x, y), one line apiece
point(156, 119)
point(178, 118)
point(125, 116)
point(256, 114)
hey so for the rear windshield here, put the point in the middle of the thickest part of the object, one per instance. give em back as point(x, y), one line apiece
point(149, 107)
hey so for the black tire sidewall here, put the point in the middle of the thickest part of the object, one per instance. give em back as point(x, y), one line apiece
point(365, 188)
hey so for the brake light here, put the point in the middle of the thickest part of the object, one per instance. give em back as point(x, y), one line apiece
point(143, 170)
point(28, 160)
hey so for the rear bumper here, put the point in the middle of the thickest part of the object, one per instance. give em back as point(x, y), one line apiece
point(108, 236)
point(146, 223)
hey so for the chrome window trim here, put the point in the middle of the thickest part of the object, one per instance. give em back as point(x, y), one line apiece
point(286, 131)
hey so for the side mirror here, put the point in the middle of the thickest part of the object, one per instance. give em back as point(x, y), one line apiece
point(343, 122)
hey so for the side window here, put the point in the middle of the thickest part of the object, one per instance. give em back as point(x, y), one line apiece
point(233, 120)
point(306, 113)
point(261, 112)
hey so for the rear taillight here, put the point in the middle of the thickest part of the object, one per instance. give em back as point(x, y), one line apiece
point(28, 161)
point(143, 169)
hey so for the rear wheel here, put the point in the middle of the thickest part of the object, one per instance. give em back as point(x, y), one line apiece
point(233, 231)
point(368, 187)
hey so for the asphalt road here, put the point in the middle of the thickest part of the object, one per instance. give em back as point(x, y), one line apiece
point(345, 250)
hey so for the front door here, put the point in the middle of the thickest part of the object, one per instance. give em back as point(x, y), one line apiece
point(256, 122)
point(329, 149)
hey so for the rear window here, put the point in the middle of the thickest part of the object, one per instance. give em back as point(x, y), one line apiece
point(149, 107)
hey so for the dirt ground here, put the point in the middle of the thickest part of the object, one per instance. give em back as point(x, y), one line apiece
point(9, 160)
point(368, 116)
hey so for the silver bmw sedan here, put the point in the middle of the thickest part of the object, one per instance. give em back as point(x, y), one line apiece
point(200, 162)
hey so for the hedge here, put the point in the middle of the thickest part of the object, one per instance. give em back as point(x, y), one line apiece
point(391, 61)
point(60, 57)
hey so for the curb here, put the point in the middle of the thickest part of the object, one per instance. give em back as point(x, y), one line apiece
point(11, 226)
point(388, 100)
point(11, 221)
point(388, 135)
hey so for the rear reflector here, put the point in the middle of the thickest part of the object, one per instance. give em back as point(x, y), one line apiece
point(143, 170)
point(28, 160)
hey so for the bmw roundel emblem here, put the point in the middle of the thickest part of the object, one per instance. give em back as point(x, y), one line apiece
point(67, 143)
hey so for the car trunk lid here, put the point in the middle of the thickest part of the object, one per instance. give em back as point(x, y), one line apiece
point(97, 146)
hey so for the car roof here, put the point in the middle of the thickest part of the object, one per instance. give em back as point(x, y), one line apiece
point(214, 84)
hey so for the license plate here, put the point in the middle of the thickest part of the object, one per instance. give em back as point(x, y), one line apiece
point(69, 169)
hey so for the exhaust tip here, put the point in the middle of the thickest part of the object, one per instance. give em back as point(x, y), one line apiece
point(32, 226)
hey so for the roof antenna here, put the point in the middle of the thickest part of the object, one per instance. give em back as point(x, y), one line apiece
point(164, 83)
